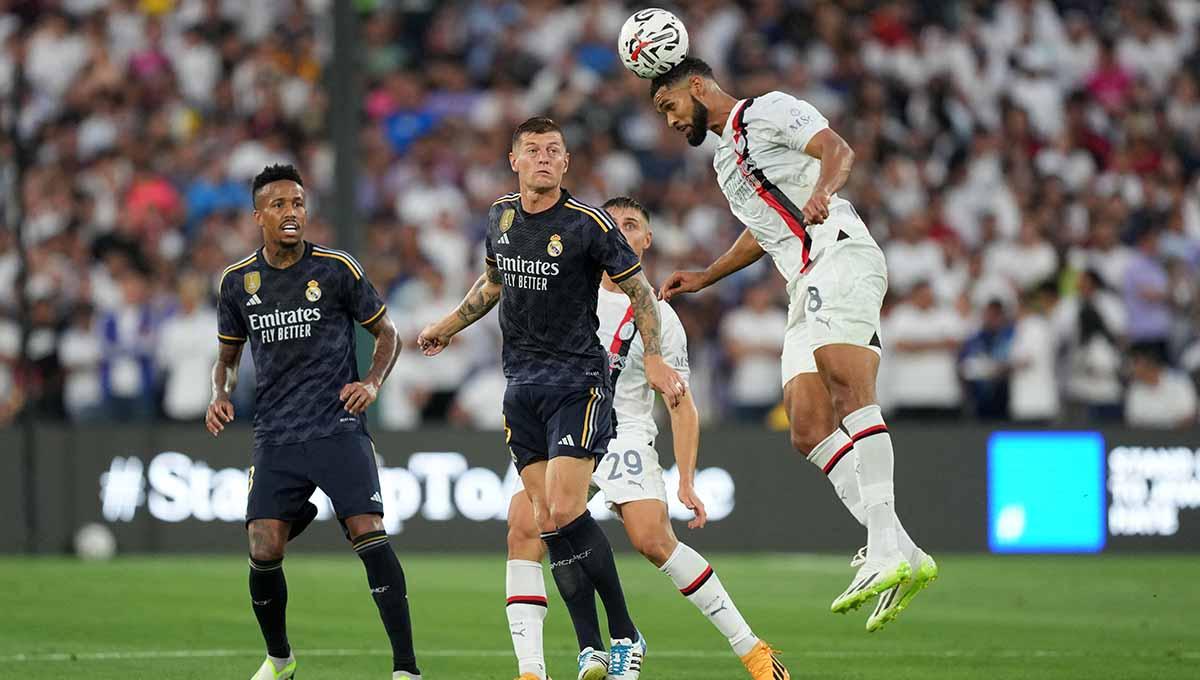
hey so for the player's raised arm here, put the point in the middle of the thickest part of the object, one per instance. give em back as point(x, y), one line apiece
point(836, 158)
point(744, 252)
point(224, 381)
point(662, 378)
point(479, 301)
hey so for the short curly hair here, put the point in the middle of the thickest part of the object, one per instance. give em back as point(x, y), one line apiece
point(690, 66)
point(273, 173)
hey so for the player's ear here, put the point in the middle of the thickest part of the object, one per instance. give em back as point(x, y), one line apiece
point(512, 161)
point(566, 160)
point(697, 86)
point(649, 238)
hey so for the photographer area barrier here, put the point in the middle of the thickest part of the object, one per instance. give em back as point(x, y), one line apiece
point(959, 487)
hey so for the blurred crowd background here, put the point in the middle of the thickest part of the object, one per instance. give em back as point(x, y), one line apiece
point(1031, 169)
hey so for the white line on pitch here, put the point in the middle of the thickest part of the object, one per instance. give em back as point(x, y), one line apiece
point(668, 653)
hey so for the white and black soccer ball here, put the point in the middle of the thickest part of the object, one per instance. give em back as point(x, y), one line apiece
point(652, 41)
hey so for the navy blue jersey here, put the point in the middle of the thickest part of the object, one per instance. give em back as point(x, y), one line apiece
point(300, 323)
point(551, 262)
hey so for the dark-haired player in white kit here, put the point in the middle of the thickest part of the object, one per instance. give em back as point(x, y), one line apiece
point(780, 166)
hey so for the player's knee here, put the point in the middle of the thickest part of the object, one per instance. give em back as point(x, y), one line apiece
point(848, 398)
point(563, 513)
point(267, 547)
point(805, 439)
point(654, 546)
point(524, 541)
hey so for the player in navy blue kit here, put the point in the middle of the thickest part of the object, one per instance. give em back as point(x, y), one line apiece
point(296, 303)
point(546, 252)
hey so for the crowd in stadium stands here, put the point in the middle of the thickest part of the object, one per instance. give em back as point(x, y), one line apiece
point(1031, 169)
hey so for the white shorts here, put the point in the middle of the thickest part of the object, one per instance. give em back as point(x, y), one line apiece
point(836, 302)
point(630, 471)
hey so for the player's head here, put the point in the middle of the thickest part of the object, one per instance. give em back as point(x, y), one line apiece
point(279, 210)
point(634, 221)
point(539, 154)
point(679, 94)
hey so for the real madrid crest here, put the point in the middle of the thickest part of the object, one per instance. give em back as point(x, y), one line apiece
point(252, 281)
point(506, 220)
point(555, 247)
point(313, 293)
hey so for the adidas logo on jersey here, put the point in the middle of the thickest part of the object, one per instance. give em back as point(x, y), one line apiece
point(566, 441)
point(253, 300)
point(503, 240)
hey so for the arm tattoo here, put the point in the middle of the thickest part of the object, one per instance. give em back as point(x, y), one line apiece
point(481, 298)
point(224, 375)
point(387, 348)
point(645, 311)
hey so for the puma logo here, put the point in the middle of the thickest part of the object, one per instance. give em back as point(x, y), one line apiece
point(718, 610)
point(261, 603)
point(639, 484)
point(519, 633)
point(824, 321)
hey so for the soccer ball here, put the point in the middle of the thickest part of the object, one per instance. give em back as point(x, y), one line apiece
point(652, 41)
point(95, 542)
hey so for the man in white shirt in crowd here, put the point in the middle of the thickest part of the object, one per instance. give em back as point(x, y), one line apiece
point(1033, 388)
point(1158, 396)
point(186, 352)
point(923, 342)
point(752, 335)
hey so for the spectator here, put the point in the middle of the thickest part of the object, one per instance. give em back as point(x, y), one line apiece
point(1091, 327)
point(995, 143)
point(130, 334)
point(80, 352)
point(923, 339)
point(1158, 396)
point(1148, 296)
point(984, 363)
point(186, 352)
point(752, 336)
point(478, 404)
point(1033, 388)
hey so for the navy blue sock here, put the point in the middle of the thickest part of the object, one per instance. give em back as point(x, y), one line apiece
point(576, 589)
point(388, 587)
point(268, 594)
point(596, 557)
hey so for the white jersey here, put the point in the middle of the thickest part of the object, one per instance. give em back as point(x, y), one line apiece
point(633, 399)
point(767, 177)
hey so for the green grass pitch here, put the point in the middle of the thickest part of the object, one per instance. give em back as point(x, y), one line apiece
point(987, 617)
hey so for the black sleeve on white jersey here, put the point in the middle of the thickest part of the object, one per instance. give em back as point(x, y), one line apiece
point(231, 325)
point(608, 247)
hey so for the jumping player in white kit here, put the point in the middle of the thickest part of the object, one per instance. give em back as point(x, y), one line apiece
point(780, 165)
point(631, 477)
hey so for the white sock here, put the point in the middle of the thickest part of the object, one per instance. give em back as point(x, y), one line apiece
point(697, 582)
point(279, 663)
point(526, 609)
point(835, 457)
point(875, 463)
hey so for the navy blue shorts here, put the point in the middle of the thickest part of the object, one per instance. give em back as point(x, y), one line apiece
point(543, 422)
point(283, 477)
